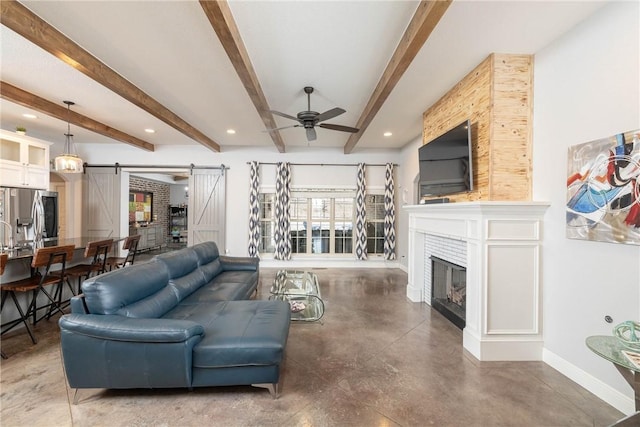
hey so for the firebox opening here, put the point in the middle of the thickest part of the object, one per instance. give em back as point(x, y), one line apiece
point(449, 290)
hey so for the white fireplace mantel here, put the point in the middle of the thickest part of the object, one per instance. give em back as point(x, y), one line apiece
point(503, 243)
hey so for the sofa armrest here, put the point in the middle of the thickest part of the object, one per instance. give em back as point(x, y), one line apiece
point(108, 351)
point(120, 328)
point(230, 263)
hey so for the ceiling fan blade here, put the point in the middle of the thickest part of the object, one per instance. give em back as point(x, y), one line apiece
point(338, 127)
point(286, 116)
point(311, 134)
point(330, 114)
point(283, 127)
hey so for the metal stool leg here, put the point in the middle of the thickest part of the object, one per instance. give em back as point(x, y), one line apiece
point(23, 316)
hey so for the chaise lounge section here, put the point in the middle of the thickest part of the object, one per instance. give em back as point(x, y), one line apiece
point(183, 319)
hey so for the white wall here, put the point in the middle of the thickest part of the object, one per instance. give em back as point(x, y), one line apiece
point(177, 194)
point(237, 178)
point(586, 87)
point(407, 195)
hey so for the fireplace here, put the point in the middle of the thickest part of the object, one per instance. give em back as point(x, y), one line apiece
point(500, 241)
point(449, 290)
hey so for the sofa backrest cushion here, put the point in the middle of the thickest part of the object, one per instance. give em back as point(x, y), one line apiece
point(112, 292)
point(208, 259)
point(180, 262)
point(206, 251)
point(184, 275)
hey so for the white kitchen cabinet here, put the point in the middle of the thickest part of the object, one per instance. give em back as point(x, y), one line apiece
point(24, 161)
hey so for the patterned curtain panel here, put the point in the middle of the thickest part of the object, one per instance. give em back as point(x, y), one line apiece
point(254, 209)
point(282, 232)
point(389, 214)
point(361, 215)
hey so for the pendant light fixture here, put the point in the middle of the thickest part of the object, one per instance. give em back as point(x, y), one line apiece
point(68, 162)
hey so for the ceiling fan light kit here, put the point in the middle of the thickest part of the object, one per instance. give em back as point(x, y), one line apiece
point(309, 119)
point(68, 161)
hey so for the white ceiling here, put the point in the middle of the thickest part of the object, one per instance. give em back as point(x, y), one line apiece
point(170, 51)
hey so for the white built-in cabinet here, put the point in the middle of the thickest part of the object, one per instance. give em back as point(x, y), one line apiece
point(24, 161)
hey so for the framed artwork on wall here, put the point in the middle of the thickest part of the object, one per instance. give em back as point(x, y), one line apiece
point(603, 189)
point(140, 206)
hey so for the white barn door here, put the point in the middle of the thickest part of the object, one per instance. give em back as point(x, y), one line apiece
point(101, 200)
point(207, 196)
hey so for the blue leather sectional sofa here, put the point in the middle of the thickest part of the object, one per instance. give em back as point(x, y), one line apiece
point(183, 319)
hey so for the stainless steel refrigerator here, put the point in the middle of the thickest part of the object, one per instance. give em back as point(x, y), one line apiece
point(27, 215)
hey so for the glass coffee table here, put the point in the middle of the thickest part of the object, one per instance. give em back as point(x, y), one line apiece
point(300, 289)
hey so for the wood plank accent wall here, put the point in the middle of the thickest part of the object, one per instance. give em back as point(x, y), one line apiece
point(497, 97)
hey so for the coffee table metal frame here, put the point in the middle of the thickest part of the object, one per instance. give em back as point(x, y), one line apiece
point(301, 290)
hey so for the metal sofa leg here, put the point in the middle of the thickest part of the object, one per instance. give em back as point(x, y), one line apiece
point(274, 389)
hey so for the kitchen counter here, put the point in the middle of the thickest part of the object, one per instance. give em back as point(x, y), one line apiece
point(19, 266)
point(79, 242)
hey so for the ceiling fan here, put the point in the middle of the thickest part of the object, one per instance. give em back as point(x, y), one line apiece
point(309, 119)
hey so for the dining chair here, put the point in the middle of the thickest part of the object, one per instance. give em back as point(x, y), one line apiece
point(47, 270)
point(98, 251)
point(130, 244)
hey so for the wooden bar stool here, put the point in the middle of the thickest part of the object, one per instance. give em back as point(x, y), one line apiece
point(44, 258)
point(97, 250)
point(130, 244)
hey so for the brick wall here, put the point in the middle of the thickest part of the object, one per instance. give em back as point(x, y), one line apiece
point(161, 197)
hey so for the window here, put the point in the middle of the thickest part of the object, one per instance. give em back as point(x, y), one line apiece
point(299, 220)
point(343, 225)
point(267, 222)
point(374, 205)
point(319, 225)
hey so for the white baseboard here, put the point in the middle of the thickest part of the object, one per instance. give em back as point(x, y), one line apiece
point(613, 397)
point(327, 263)
point(502, 348)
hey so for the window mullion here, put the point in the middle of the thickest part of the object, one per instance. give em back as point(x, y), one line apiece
point(309, 225)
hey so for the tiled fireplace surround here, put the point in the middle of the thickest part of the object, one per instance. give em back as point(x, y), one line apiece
point(499, 243)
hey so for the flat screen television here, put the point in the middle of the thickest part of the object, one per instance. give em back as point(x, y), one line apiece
point(446, 163)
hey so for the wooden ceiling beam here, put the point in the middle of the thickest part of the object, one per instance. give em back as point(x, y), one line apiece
point(34, 102)
point(221, 19)
point(18, 18)
point(424, 20)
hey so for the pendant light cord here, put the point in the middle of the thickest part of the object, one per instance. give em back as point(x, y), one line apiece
point(68, 135)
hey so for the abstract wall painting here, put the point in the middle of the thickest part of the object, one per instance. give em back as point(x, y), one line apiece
point(603, 189)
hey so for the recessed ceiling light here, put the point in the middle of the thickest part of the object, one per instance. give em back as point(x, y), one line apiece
point(231, 131)
point(149, 130)
point(387, 134)
point(29, 116)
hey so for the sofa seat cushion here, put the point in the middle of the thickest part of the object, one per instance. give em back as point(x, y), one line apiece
point(246, 277)
point(238, 333)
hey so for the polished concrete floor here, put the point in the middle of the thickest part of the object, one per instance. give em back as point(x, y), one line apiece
point(376, 359)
